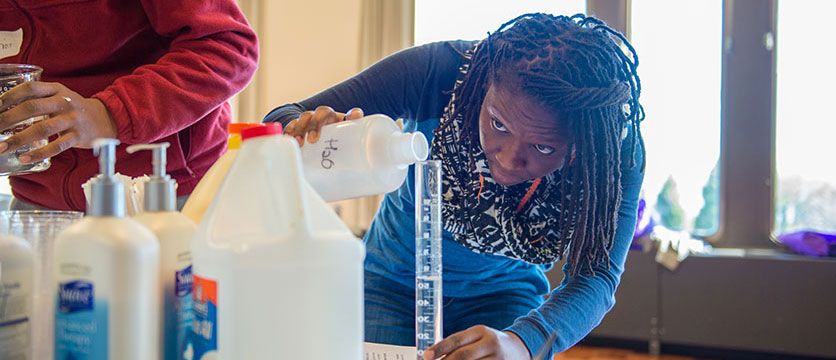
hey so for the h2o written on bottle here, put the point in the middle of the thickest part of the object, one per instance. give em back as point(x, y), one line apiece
point(327, 162)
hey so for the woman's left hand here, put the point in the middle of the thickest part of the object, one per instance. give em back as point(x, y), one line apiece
point(75, 119)
point(479, 342)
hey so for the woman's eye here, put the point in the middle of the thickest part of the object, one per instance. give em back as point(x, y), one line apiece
point(543, 149)
point(498, 125)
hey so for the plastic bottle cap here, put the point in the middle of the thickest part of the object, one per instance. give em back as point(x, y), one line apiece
point(408, 148)
point(107, 196)
point(236, 128)
point(234, 141)
point(265, 130)
point(160, 190)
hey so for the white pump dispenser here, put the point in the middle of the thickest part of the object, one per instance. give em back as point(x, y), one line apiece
point(107, 277)
point(362, 157)
point(174, 231)
point(16, 262)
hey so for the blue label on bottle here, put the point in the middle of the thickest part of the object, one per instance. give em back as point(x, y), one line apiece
point(183, 307)
point(75, 296)
point(80, 323)
point(183, 282)
point(203, 339)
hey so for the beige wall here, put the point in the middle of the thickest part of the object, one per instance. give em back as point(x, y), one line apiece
point(305, 45)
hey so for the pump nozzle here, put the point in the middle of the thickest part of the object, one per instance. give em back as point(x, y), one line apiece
point(107, 194)
point(105, 149)
point(158, 159)
point(160, 192)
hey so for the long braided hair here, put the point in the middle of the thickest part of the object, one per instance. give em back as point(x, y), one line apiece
point(574, 66)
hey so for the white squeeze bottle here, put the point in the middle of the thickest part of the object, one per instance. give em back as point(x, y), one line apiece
point(16, 262)
point(206, 188)
point(277, 275)
point(362, 157)
point(107, 275)
point(174, 231)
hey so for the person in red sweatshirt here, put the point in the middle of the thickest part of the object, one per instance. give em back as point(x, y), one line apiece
point(141, 71)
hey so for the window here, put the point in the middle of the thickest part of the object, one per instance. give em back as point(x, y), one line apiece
point(723, 77)
point(680, 68)
point(682, 128)
point(437, 20)
point(805, 196)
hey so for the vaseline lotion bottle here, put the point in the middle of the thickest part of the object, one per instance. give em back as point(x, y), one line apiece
point(107, 277)
point(174, 231)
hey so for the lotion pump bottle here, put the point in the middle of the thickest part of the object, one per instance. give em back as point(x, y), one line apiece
point(16, 264)
point(174, 231)
point(107, 277)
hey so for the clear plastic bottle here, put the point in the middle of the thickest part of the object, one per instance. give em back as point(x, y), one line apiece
point(206, 188)
point(175, 232)
point(107, 277)
point(362, 157)
point(276, 273)
point(16, 264)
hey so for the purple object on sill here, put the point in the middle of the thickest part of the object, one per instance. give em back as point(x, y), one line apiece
point(643, 226)
point(810, 243)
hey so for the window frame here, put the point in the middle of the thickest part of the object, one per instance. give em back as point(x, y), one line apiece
point(747, 108)
point(747, 154)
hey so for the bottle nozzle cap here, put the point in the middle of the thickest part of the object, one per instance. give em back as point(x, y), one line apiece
point(234, 141)
point(408, 148)
point(160, 194)
point(264, 130)
point(105, 149)
point(108, 193)
point(158, 157)
point(236, 128)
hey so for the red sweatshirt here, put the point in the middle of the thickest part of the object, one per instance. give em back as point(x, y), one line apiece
point(164, 69)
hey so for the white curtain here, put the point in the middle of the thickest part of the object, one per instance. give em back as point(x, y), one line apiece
point(386, 26)
point(245, 106)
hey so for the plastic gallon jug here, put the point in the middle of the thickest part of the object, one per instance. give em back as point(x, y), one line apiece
point(175, 232)
point(107, 278)
point(361, 157)
point(205, 190)
point(277, 275)
point(16, 265)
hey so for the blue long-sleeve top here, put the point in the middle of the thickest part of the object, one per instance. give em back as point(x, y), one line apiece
point(415, 84)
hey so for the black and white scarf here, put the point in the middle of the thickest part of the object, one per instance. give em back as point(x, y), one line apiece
point(519, 221)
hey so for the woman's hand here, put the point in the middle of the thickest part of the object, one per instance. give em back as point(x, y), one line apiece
point(479, 342)
point(75, 119)
point(310, 122)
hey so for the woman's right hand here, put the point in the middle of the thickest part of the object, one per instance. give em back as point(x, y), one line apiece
point(308, 124)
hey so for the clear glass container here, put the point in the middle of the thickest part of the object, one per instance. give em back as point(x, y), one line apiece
point(12, 75)
point(39, 229)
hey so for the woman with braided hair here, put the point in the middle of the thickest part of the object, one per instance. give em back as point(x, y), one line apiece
point(537, 130)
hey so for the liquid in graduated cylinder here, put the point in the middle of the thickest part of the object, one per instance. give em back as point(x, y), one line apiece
point(428, 266)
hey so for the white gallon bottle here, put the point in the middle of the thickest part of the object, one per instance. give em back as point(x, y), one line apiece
point(107, 274)
point(16, 261)
point(174, 231)
point(362, 157)
point(206, 188)
point(277, 275)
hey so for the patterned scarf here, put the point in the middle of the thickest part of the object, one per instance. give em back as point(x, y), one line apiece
point(519, 221)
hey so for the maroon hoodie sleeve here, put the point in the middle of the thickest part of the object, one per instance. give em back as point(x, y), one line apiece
point(212, 55)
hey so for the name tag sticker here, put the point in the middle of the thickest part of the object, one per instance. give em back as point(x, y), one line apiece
point(10, 42)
